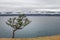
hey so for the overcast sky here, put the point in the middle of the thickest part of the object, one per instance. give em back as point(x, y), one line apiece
point(29, 4)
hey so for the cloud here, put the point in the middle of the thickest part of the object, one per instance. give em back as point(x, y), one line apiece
point(30, 4)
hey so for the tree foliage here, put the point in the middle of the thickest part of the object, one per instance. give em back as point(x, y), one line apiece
point(18, 23)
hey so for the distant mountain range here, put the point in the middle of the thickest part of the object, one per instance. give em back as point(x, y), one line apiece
point(31, 13)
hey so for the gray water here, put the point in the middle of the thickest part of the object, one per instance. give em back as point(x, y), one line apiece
point(40, 26)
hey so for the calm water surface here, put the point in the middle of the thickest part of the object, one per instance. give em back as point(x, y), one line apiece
point(40, 26)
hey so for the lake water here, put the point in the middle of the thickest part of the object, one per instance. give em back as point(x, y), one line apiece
point(40, 26)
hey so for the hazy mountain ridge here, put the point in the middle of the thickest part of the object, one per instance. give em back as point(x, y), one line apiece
point(30, 12)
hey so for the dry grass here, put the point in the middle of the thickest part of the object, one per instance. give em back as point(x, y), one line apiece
point(38, 38)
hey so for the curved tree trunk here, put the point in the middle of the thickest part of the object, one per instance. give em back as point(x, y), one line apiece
point(13, 34)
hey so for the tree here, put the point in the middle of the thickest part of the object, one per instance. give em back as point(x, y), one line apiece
point(18, 23)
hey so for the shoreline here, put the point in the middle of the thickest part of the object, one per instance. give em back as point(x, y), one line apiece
point(55, 37)
point(30, 14)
